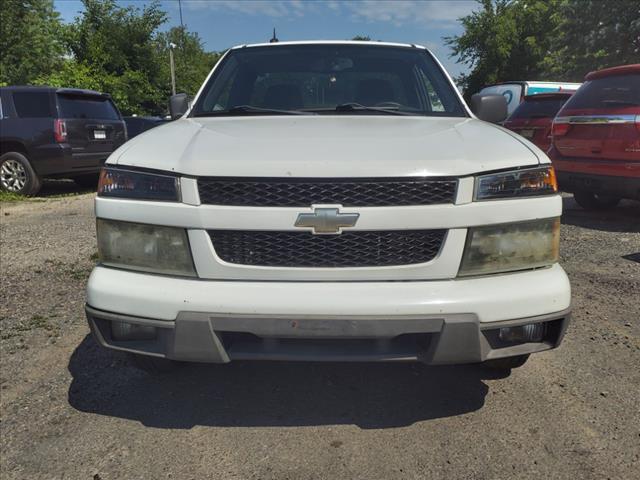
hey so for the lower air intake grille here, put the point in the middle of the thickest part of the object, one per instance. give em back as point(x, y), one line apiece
point(350, 249)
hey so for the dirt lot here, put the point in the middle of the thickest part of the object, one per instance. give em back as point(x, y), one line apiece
point(72, 410)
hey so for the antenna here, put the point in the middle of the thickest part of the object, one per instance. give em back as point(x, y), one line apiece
point(180, 7)
point(274, 39)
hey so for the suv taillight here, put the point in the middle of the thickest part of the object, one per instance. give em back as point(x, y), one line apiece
point(60, 130)
point(560, 127)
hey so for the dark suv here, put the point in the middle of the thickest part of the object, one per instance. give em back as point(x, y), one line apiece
point(55, 132)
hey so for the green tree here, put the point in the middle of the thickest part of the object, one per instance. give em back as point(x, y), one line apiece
point(114, 38)
point(117, 46)
point(108, 47)
point(71, 74)
point(593, 34)
point(505, 40)
point(30, 40)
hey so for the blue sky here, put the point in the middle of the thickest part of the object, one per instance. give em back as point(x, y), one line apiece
point(223, 23)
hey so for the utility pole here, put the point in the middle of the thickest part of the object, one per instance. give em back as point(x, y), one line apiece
point(173, 68)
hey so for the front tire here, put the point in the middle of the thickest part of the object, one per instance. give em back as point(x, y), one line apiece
point(594, 201)
point(17, 175)
point(507, 363)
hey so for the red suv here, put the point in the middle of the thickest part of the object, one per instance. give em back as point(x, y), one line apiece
point(596, 139)
point(533, 117)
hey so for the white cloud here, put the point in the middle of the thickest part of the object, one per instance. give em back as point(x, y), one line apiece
point(433, 46)
point(273, 8)
point(398, 12)
point(401, 12)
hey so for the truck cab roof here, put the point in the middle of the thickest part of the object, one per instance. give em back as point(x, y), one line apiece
point(331, 42)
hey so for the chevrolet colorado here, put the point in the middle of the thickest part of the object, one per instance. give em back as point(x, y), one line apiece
point(329, 201)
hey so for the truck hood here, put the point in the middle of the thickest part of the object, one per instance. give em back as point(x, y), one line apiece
point(328, 146)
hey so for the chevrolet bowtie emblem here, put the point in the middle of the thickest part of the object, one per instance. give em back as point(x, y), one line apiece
point(326, 220)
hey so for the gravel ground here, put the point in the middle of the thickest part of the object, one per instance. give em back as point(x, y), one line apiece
point(71, 410)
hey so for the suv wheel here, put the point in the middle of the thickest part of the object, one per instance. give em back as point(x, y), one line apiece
point(594, 201)
point(507, 363)
point(89, 181)
point(17, 175)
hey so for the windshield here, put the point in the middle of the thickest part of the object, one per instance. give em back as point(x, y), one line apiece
point(539, 108)
point(318, 79)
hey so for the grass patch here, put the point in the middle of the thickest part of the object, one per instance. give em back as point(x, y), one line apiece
point(38, 321)
point(35, 322)
point(79, 273)
point(11, 197)
point(71, 194)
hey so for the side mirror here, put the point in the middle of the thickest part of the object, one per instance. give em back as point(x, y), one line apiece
point(178, 105)
point(489, 107)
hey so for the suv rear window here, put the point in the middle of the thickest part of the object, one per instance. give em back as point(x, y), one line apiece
point(608, 92)
point(32, 104)
point(82, 106)
point(539, 108)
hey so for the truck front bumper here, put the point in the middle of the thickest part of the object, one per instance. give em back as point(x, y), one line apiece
point(435, 322)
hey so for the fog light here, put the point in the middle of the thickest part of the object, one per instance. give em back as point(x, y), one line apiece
point(132, 331)
point(533, 332)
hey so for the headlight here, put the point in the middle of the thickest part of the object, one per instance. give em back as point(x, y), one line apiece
point(511, 247)
point(147, 248)
point(517, 183)
point(121, 183)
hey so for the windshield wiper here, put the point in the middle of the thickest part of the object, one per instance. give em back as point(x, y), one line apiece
point(248, 109)
point(358, 107)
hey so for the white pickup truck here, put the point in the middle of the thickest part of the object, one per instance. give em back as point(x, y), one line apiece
point(329, 201)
